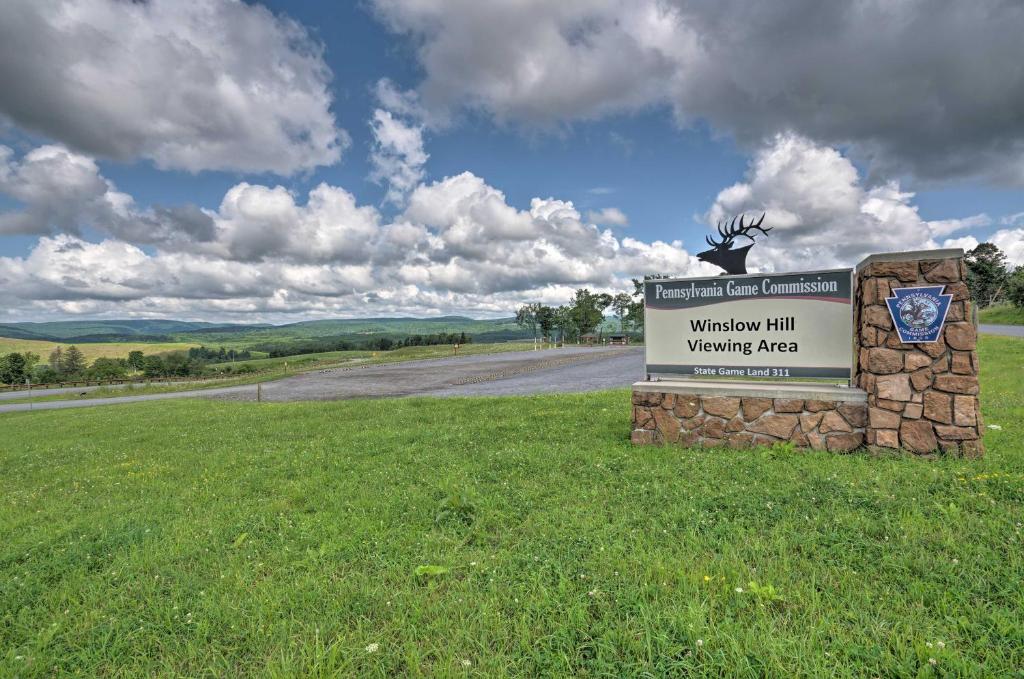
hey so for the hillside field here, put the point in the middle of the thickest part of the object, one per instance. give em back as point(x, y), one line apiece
point(91, 350)
point(498, 537)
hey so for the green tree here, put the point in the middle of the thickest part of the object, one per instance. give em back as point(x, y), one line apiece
point(526, 317)
point(987, 274)
point(136, 360)
point(178, 364)
point(620, 304)
point(565, 324)
point(108, 369)
point(72, 363)
point(546, 321)
point(587, 309)
point(31, 361)
point(635, 314)
point(12, 368)
point(1015, 288)
point(56, 356)
point(153, 366)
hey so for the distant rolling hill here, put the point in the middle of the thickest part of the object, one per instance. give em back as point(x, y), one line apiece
point(238, 334)
point(94, 330)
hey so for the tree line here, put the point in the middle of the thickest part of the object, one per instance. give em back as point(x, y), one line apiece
point(318, 346)
point(69, 365)
point(582, 315)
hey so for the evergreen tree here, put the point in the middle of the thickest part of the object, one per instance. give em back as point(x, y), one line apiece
point(73, 362)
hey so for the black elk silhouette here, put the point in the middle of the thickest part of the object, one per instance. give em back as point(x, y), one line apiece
point(722, 254)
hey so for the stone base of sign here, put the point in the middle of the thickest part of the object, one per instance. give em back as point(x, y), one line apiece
point(921, 397)
point(740, 415)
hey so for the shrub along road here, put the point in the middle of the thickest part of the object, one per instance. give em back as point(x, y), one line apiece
point(522, 372)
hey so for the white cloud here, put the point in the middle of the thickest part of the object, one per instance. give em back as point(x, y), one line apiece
point(459, 247)
point(1010, 241)
point(944, 227)
point(611, 216)
point(877, 75)
point(257, 222)
point(62, 191)
point(965, 243)
point(398, 156)
point(189, 84)
point(820, 212)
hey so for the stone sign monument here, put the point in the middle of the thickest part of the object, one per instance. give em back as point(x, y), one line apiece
point(894, 336)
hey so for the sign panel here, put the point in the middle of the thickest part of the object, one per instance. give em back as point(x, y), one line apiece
point(919, 313)
point(773, 325)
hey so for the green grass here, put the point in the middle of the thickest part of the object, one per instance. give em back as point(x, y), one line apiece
point(1003, 314)
point(225, 539)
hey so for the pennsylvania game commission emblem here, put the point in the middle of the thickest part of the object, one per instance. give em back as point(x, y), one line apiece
point(919, 312)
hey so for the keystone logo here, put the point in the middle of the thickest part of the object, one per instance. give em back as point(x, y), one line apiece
point(919, 313)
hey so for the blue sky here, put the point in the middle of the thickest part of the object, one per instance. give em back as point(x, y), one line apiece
point(585, 103)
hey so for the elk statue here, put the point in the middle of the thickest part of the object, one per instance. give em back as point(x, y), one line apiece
point(722, 254)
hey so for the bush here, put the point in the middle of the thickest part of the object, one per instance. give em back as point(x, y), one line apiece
point(44, 374)
point(108, 369)
point(153, 366)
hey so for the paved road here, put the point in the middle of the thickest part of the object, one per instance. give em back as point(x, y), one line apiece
point(526, 372)
point(1012, 330)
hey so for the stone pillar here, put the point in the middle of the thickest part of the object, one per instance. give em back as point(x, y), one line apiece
point(921, 397)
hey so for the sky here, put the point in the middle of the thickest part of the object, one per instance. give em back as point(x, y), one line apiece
point(282, 161)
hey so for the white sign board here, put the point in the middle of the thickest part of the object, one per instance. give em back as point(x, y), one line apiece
point(774, 325)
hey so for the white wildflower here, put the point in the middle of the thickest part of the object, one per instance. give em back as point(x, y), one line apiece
point(373, 648)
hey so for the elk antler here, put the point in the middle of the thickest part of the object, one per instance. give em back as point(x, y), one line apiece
point(731, 232)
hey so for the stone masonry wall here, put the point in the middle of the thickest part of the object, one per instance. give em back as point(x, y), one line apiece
point(921, 397)
point(741, 422)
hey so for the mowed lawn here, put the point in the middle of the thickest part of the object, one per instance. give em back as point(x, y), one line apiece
point(91, 350)
point(491, 537)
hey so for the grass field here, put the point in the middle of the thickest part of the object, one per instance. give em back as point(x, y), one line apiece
point(491, 537)
point(1003, 314)
point(92, 351)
